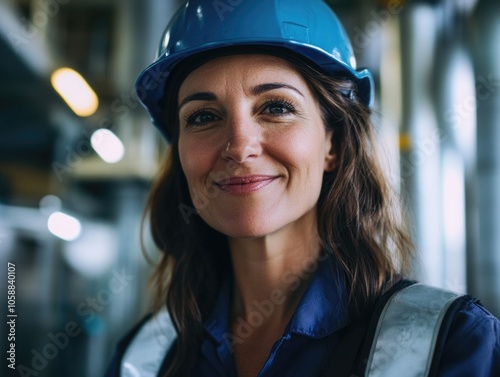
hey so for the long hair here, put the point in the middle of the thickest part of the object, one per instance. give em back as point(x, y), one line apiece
point(359, 221)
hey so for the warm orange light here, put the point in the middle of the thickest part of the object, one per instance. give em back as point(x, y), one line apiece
point(75, 91)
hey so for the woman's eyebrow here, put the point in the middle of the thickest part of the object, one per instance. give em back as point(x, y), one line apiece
point(259, 89)
point(201, 96)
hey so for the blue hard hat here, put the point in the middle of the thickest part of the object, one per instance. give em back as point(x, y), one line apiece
point(308, 28)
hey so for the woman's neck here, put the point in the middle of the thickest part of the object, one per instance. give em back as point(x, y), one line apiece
point(273, 271)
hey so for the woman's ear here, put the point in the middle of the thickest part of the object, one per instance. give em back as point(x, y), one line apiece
point(331, 160)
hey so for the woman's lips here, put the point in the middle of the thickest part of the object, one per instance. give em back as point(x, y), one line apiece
point(245, 184)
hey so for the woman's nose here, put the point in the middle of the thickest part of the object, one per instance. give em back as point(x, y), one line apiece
point(243, 140)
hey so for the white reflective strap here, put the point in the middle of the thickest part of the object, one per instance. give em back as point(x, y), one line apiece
point(145, 354)
point(407, 332)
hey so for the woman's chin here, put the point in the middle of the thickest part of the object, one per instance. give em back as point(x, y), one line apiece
point(246, 231)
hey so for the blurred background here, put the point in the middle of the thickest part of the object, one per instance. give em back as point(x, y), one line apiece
point(78, 153)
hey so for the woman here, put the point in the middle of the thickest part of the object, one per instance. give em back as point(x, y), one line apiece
point(278, 229)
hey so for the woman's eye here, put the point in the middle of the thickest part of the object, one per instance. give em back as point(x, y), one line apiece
point(279, 108)
point(201, 117)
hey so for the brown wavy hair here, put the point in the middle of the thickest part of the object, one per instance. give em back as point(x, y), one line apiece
point(360, 222)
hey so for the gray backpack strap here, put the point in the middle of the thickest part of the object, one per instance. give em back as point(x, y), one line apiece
point(407, 332)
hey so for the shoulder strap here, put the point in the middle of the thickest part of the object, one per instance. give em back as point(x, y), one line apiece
point(407, 332)
point(146, 351)
point(404, 309)
point(115, 364)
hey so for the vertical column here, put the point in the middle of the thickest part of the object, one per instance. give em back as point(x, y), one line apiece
point(456, 108)
point(420, 161)
point(485, 275)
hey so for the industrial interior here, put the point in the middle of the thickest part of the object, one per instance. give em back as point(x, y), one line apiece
point(74, 177)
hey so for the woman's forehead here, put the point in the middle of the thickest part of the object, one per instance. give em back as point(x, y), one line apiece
point(241, 69)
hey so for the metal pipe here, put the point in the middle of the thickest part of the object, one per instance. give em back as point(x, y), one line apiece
point(455, 102)
point(485, 278)
point(420, 162)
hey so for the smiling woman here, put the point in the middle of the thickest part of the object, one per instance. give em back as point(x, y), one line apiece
point(268, 138)
point(293, 240)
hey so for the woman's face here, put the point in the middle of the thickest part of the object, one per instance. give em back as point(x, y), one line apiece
point(252, 145)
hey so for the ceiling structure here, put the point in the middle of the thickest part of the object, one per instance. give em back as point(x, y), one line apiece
point(26, 130)
point(30, 108)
